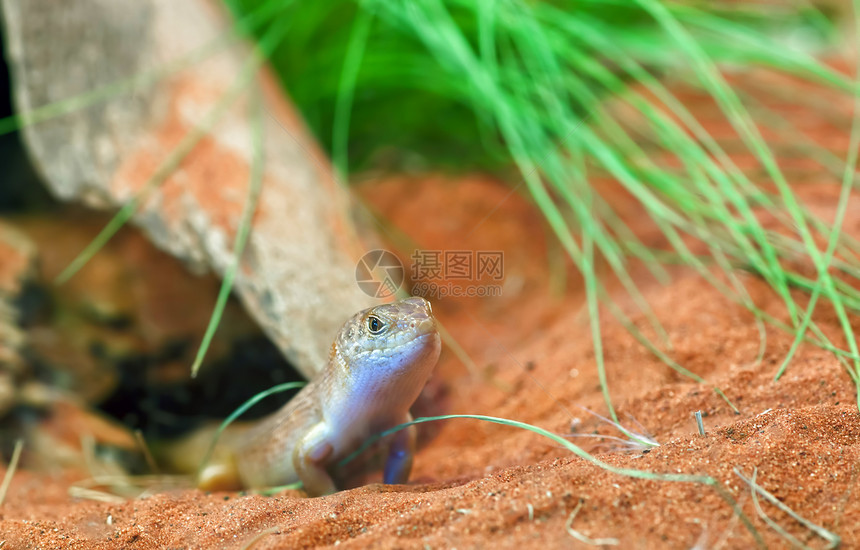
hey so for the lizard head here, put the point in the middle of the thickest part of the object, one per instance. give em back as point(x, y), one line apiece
point(391, 344)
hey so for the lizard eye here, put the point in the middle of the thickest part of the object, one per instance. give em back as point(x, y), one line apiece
point(375, 324)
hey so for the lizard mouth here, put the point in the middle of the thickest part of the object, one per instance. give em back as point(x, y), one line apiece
point(425, 326)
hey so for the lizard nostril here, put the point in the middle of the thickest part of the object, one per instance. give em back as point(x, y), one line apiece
point(412, 324)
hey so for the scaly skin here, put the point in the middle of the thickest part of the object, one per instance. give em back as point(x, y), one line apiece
point(379, 362)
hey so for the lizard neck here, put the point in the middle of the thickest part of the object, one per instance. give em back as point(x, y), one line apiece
point(378, 393)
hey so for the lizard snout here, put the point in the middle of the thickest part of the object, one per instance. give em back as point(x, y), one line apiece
point(426, 325)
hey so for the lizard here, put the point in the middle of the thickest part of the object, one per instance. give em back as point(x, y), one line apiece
point(378, 364)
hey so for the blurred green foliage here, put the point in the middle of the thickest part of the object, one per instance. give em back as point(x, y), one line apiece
point(409, 112)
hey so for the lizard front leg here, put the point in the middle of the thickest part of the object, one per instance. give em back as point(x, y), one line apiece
point(310, 457)
point(400, 452)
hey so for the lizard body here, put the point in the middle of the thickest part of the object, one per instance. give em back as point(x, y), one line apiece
point(379, 362)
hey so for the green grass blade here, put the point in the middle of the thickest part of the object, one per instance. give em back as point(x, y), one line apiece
point(346, 91)
point(172, 162)
point(578, 451)
point(244, 229)
point(242, 409)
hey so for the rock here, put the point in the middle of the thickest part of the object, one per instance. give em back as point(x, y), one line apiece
point(297, 273)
